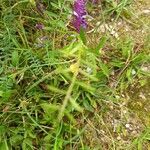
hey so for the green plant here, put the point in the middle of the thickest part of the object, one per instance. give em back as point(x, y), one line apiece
point(53, 82)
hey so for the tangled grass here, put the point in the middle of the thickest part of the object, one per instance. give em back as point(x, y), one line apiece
point(64, 90)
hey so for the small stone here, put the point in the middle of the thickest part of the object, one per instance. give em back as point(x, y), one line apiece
point(112, 19)
point(119, 23)
point(142, 96)
point(118, 138)
point(133, 72)
point(123, 95)
point(146, 11)
point(130, 128)
point(116, 35)
point(110, 26)
point(111, 107)
point(134, 132)
point(101, 28)
point(89, 70)
point(117, 97)
point(126, 29)
point(144, 68)
point(124, 103)
point(106, 26)
point(124, 111)
point(98, 23)
point(127, 126)
point(112, 32)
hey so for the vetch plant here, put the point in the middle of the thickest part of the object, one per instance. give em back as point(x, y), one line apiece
point(55, 84)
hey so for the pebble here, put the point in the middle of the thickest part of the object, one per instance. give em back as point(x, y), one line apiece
point(118, 138)
point(133, 72)
point(142, 96)
point(127, 126)
point(146, 11)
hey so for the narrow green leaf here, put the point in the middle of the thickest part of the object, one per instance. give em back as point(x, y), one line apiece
point(15, 58)
point(83, 36)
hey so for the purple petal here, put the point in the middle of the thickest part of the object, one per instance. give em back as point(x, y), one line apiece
point(79, 15)
point(39, 26)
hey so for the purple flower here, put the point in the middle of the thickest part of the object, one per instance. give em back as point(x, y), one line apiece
point(39, 26)
point(79, 15)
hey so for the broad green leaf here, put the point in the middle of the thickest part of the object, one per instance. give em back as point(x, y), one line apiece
point(16, 139)
point(1, 93)
point(4, 145)
point(76, 105)
point(87, 105)
point(27, 144)
point(49, 108)
point(61, 24)
point(55, 5)
point(32, 2)
point(104, 68)
point(101, 44)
